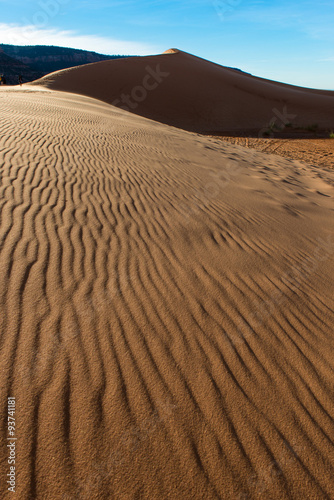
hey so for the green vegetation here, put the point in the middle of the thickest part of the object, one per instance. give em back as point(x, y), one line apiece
point(313, 127)
point(270, 130)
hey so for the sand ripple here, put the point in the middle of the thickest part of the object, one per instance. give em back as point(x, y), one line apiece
point(166, 310)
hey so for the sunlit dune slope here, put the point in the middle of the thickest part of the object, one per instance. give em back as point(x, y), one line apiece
point(166, 308)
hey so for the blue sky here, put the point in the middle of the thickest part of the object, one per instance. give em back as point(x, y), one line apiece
point(282, 40)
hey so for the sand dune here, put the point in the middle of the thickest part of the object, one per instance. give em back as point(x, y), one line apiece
point(166, 308)
point(185, 91)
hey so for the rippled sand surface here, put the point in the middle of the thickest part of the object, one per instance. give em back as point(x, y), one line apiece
point(166, 310)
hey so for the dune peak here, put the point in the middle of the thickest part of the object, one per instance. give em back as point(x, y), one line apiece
point(172, 51)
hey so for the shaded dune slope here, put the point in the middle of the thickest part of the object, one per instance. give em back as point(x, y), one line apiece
point(166, 310)
point(195, 94)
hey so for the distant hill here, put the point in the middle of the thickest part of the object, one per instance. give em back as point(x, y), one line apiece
point(35, 61)
point(11, 68)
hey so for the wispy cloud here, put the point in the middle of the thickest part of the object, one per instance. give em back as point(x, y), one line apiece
point(31, 35)
point(327, 59)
